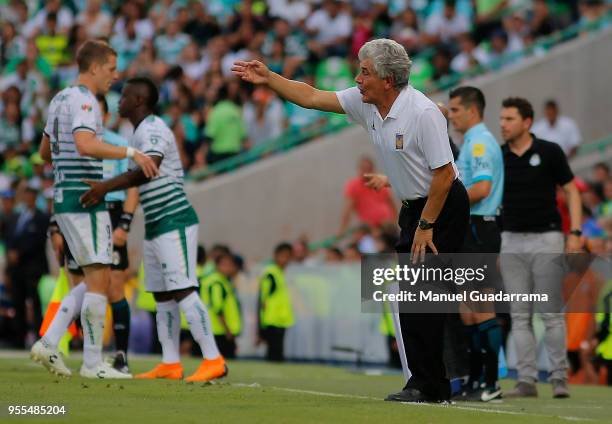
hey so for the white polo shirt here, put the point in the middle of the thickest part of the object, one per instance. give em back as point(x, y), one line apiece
point(564, 132)
point(411, 141)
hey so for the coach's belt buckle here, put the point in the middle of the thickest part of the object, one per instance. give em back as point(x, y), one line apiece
point(488, 218)
point(406, 202)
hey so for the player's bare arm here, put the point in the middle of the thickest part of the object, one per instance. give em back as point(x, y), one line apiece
point(45, 149)
point(124, 181)
point(120, 235)
point(296, 92)
point(88, 144)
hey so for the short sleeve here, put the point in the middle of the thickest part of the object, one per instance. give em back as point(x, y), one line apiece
point(153, 143)
point(84, 114)
point(353, 106)
point(481, 161)
point(560, 166)
point(432, 137)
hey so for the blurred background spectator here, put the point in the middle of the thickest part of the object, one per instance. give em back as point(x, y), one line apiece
point(373, 208)
point(558, 128)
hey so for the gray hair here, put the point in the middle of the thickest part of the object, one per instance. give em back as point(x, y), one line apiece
point(390, 60)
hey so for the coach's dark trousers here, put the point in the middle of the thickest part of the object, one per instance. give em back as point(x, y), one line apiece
point(423, 334)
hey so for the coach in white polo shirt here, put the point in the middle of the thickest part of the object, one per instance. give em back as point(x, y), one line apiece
point(410, 136)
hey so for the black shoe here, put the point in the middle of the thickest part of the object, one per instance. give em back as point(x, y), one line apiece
point(463, 395)
point(466, 392)
point(120, 362)
point(413, 396)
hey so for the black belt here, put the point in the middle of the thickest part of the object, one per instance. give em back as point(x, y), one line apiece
point(414, 203)
point(483, 218)
point(420, 202)
point(117, 204)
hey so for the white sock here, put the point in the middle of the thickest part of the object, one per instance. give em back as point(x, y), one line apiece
point(70, 306)
point(199, 324)
point(168, 319)
point(93, 315)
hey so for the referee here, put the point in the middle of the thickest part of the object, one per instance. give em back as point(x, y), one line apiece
point(481, 166)
point(411, 140)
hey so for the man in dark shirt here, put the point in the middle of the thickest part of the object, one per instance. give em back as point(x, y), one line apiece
point(532, 241)
point(27, 261)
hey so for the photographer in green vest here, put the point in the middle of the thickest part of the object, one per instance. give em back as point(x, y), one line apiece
point(274, 304)
point(219, 295)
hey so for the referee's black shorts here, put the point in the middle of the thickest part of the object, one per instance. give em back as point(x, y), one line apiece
point(483, 242)
point(120, 253)
point(482, 236)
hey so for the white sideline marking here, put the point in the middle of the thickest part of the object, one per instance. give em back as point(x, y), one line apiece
point(454, 406)
point(308, 392)
point(499, 411)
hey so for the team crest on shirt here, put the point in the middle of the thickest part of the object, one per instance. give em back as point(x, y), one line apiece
point(399, 141)
point(86, 108)
point(478, 150)
point(535, 160)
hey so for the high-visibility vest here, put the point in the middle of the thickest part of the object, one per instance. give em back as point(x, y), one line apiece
point(604, 320)
point(275, 309)
point(386, 321)
point(53, 48)
point(200, 272)
point(61, 289)
point(220, 297)
point(145, 300)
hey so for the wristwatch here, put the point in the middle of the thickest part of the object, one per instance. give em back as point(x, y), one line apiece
point(425, 225)
point(576, 233)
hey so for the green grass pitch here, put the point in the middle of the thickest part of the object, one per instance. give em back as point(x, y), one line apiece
point(258, 392)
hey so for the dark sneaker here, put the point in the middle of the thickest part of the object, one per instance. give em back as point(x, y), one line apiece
point(464, 395)
point(120, 362)
point(523, 389)
point(559, 389)
point(413, 396)
point(466, 392)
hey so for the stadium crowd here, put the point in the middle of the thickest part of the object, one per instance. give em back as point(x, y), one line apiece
point(188, 48)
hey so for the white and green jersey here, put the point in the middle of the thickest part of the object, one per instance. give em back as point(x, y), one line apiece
point(163, 199)
point(73, 109)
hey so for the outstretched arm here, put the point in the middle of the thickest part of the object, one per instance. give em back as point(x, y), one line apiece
point(296, 92)
point(124, 181)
